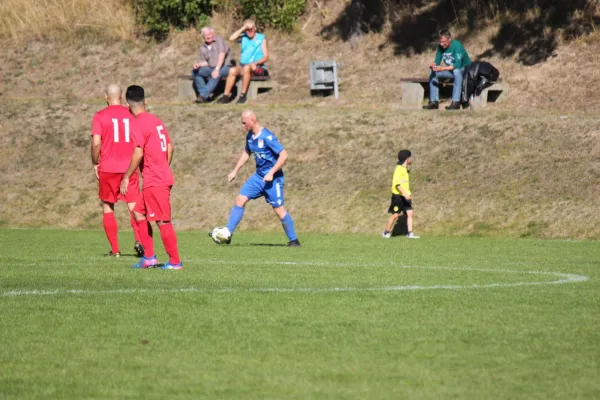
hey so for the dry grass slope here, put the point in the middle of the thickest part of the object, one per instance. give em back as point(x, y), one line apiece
point(23, 20)
point(526, 167)
point(491, 173)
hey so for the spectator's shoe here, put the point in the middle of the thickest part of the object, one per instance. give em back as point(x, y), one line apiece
point(243, 99)
point(226, 99)
point(111, 254)
point(200, 100)
point(433, 105)
point(413, 236)
point(455, 105)
point(386, 235)
point(146, 262)
point(294, 243)
point(139, 249)
point(172, 266)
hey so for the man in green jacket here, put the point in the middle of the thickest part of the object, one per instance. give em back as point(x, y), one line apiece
point(451, 59)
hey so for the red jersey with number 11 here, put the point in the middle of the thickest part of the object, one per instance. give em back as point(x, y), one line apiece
point(113, 125)
point(150, 134)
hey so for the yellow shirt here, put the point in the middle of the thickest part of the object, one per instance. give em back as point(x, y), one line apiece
point(401, 179)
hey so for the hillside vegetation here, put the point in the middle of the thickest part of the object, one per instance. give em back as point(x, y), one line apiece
point(525, 167)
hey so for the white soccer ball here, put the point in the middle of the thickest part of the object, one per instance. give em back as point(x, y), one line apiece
point(221, 235)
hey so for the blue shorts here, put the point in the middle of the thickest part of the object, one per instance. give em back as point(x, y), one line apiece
point(273, 191)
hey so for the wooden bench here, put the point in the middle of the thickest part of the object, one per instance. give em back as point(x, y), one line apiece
point(258, 84)
point(414, 90)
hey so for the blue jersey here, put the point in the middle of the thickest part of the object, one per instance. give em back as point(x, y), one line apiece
point(266, 148)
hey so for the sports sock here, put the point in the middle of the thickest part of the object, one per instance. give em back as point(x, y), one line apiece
point(288, 226)
point(145, 231)
point(235, 217)
point(111, 229)
point(169, 239)
point(134, 225)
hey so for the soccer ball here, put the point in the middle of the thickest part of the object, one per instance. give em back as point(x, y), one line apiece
point(221, 235)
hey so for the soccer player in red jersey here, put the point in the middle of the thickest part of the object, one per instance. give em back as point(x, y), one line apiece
point(153, 154)
point(111, 150)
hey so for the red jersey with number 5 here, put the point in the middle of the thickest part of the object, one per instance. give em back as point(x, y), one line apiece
point(113, 125)
point(150, 134)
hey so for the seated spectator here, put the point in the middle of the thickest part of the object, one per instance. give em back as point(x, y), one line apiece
point(451, 59)
point(214, 64)
point(252, 60)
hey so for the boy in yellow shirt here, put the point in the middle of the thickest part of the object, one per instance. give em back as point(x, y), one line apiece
point(401, 196)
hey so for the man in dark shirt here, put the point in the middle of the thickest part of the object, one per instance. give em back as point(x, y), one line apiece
point(451, 59)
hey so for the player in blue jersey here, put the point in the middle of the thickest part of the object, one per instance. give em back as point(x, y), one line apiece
point(268, 179)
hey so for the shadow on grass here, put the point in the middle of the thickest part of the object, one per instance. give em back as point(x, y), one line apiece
point(530, 30)
point(266, 244)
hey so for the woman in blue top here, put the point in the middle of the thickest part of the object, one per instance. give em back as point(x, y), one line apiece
point(255, 54)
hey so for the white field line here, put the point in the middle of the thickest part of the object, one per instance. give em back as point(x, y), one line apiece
point(563, 278)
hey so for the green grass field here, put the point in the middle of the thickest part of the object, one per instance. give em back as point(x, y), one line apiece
point(344, 316)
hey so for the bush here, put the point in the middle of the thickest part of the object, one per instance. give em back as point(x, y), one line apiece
point(157, 16)
point(279, 14)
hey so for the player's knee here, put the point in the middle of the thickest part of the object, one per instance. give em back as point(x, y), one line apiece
point(241, 201)
point(138, 217)
point(280, 211)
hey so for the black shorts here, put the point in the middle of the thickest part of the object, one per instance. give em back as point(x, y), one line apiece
point(399, 204)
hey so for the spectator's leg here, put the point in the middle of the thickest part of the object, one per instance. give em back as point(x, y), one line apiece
point(458, 78)
point(247, 75)
point(200, 76)
point(234, 72)
point(434, 92)
point(434, 84)
point(212, 82)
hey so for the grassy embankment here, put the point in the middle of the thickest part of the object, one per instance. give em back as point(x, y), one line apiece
point(524, 167)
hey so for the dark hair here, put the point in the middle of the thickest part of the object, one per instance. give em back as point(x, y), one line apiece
point(403, 155)
point(445, 33)
point(135, 94)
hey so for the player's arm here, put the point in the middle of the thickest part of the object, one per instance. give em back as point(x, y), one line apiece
point(242, 160)
point(170, 149)
point(404, 192)
point(95, 149)
point(136, 159)
point(283, 156)
point(95, 152)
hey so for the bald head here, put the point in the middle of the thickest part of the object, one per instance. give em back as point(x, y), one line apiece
point(250, 121)
point(249, 114)
point(113, 94)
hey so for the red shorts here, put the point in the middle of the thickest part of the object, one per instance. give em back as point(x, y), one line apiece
point(155, 204)
point(108, 189)
point(260, 71)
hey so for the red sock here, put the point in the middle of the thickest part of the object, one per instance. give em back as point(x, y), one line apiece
point(146, 238)
point(110, 227)
point(134, 225)
point(169, 239)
